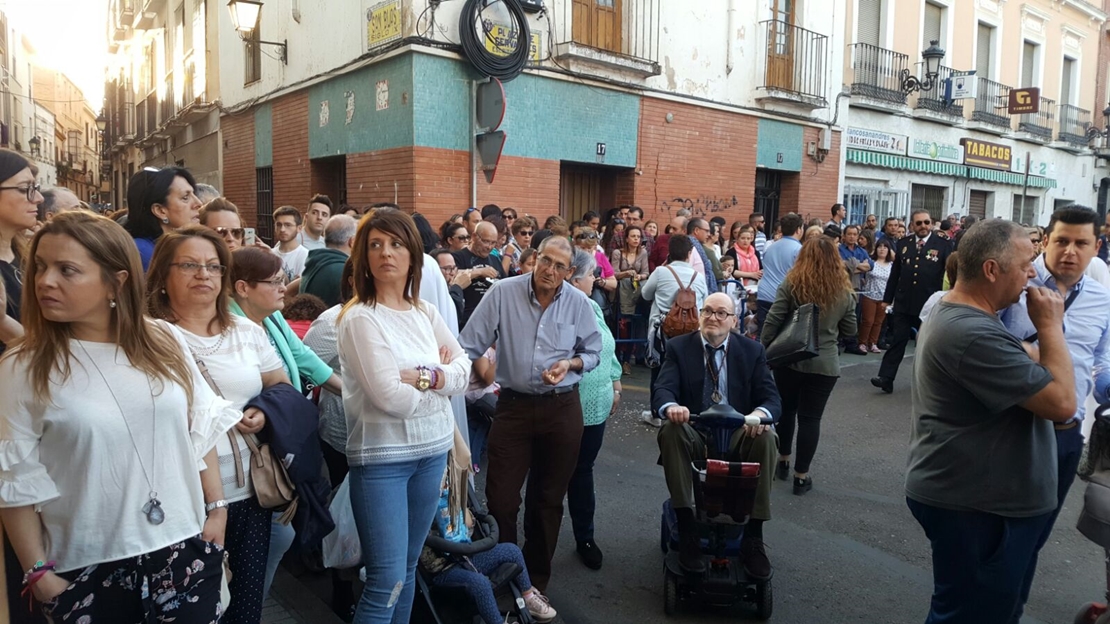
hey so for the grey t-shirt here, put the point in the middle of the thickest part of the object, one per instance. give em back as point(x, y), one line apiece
point(973, 447)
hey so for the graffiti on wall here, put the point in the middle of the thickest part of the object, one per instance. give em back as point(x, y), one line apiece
point(700, 205)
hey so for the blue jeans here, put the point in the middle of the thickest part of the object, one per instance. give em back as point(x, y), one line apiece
point(394, 506)
point(1069, 449)
point(580, 493)
point(980, 561)
point(281, 539)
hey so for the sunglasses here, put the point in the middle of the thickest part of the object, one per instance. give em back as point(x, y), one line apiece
point(462, 237)
point(926, 222)
point(235, 232)
point(526, 233)
point(590, 236)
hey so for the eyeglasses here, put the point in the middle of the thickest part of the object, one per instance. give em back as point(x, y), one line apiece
point(28, 190)
point(1035, 240)
point(526, 233)
point(449, 269)
point(548, 262)
point(486, 241)
point(925, 222)
point(720, 315)
point(235, 232)
point(277, 282)
point(192, 268)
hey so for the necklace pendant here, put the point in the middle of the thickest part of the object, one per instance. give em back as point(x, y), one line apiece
point(153, 511)
point(716, 396)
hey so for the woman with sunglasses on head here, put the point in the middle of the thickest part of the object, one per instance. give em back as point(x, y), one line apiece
point(189, 285)
point(258, 293)
point(400, 365)
point(159, 201)
point(19, 202)
point(107, 467)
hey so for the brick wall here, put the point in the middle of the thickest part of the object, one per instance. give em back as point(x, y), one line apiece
point(238, 164)
point(817, 183)
point(383, 176)
point(292, 170)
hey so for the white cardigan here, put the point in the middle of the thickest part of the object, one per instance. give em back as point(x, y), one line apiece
point(389, 421)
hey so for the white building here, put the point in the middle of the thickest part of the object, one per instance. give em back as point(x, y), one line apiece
point(43, 146)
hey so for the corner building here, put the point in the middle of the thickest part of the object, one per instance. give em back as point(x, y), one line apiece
point(721, 106)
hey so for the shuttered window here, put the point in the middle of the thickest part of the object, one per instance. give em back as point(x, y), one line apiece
point(977, 204)
point(869, 22)
point(1028, 63)
point(1024, 211)
point(984, 55)
point(934, 24)
point(1066, 77)
point(931, 198)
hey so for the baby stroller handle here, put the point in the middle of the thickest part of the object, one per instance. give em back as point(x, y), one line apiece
point(484, 523)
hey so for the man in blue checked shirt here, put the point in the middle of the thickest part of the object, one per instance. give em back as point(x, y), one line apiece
point(1071, 244)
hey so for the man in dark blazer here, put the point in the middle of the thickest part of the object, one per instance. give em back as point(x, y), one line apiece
point(918, 272)
point(715, 365)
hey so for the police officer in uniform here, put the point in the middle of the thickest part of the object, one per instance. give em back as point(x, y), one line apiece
point(918, 272)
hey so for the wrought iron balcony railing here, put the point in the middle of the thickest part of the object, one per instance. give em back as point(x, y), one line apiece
point(795, 60)
point(933, 99)
point(1074, 122)
point(1040, 124)
point(990, 103)
point(877, 73)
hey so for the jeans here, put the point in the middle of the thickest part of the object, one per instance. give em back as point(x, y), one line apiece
point(476, 582)
point(394, 505)
point(804, 396)
point(479, 417)
point(580, 493)
point(980, 561)
point(1069, 449)
point(761, 309)
point(281, 539)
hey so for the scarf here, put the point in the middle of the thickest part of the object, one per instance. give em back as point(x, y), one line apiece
point(746, 261)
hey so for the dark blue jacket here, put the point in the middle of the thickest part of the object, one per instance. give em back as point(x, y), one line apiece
point(292, 422)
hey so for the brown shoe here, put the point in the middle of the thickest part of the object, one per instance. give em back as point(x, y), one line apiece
point(754, 555)
point(626, 368)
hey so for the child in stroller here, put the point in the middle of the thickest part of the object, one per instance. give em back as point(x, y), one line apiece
point(451, 559)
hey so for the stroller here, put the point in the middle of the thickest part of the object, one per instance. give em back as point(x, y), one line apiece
point(450, 605)
point(1094, 520)
point(724, 494)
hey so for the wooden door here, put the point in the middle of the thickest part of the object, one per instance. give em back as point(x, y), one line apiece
point(597, 23)
point(780, 45)
point(584, 188)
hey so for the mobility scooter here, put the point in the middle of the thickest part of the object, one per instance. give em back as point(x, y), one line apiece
point(724, 494)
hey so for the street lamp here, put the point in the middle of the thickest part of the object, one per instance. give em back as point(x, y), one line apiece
point(245, 15)
point(35, 143)
point(1104, 134)
point(933, 56)
point(102, 122)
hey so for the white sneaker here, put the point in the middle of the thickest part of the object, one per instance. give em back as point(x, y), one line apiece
point(539, 607)
point(648, 418)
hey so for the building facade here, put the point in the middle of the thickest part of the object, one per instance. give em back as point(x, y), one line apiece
point(17, 109)
point(664, 105)
point(44, 146)
point(161, 90)
point(74, 137)
point(961, 151)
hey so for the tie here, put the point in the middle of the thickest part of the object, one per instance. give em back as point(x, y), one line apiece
point(920, 243)
point(712, 375)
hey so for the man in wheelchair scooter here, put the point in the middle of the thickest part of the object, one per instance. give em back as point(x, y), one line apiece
point(715, 365)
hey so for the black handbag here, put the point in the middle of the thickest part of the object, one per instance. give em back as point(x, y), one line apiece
point(797, 339)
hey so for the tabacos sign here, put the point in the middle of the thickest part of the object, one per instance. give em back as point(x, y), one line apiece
point(933, 150)
point(989, 155)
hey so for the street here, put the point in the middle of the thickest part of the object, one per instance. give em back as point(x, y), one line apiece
point(848, 551)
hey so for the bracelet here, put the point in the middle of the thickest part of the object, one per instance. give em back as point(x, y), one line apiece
point(214, 505)
point(37, 571)
point(435, 377)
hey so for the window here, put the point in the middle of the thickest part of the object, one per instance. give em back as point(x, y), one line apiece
point(1028, 64)
point(934, 25)
point(984, 51)
point(869, 22)
point(1025, 209)
point(931, 198)
point(264, 191)
point(253, 51)
point(1067, 78)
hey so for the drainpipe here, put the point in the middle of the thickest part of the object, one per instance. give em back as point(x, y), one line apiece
point(731, 22)
point(473, 144)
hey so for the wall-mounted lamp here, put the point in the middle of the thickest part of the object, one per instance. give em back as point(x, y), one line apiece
point(1104, 134)
point(245, 15)
point(933, 56)
point(35, 144)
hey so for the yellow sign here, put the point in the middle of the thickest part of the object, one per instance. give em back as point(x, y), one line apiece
point(383, 23)
point(501, 40)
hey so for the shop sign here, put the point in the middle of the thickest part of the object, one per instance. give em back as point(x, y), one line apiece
point(875, 141)
point(989, 155)
point(1023, 101)
point(1037, 166)
point(935, 150)
point(502, 40)
point(383, 23)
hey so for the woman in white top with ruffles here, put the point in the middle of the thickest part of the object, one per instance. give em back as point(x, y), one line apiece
point(106, 441)
point(400, 365)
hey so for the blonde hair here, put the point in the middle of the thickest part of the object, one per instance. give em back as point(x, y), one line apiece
point(45, 343)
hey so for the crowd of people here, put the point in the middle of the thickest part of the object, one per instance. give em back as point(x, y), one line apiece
point(498, 344)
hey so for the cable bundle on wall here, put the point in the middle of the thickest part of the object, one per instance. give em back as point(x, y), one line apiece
point(493, 65)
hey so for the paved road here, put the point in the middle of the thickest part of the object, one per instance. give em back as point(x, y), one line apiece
point(848, 551)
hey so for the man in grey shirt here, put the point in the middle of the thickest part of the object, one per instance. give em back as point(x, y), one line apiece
point(981, 478)
point(547, 336)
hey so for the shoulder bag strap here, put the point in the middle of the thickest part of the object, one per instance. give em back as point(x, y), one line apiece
point(240, 478)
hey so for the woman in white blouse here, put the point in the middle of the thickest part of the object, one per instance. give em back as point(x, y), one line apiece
point(106, 441)
point(189, 285)
point(400, 363)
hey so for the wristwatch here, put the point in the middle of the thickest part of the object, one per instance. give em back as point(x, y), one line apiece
point(214, 505)
point(425, 380)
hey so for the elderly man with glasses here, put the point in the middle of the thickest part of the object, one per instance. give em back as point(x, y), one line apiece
point(547, 337)
point(483, 269)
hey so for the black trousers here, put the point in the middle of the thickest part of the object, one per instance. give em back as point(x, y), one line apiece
point(901, 329)
point(804, 396)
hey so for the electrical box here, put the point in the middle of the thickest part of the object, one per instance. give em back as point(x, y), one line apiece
point(531, 6)
point(826, 139)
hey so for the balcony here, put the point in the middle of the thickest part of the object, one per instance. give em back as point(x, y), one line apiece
point(144, 20)
point(621, 35)
point(794, 65)
point(931, 104)
point(1074, 122)
point(877, 77)
point(126, 11)
point(168, 105)
point(990, 108)
point(1037, 127)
